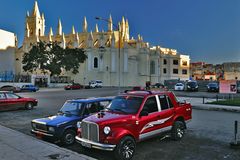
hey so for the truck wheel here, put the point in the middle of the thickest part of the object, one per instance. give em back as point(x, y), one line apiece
point(125, 149)
point(68, 137)
point(29, 106)
point(178, 130)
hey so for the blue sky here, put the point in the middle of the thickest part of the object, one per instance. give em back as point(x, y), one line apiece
point(207, 30)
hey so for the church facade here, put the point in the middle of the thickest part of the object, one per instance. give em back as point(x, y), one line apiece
point(113, 56)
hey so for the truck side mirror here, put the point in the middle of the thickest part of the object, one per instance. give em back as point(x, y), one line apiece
point(144, 113)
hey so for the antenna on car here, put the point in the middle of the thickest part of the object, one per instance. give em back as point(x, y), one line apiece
point(150, 92)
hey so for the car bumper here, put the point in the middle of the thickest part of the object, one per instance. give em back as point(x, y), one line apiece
point(91, 144)
point(39, 133)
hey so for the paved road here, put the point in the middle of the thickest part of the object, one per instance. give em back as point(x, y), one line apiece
point(207, 136)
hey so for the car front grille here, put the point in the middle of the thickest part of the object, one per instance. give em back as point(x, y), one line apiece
point(41, 127)
point(90, 131)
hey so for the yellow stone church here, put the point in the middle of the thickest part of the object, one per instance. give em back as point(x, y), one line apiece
point(113, 56)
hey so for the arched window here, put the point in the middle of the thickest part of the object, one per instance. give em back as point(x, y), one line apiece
point(39, 32)
point(95, 62)
point(152, 67)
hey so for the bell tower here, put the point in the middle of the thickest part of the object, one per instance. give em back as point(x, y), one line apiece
point(35, 23)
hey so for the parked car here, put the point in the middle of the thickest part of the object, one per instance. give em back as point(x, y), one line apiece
point(192, 86)
point(30, 88)
point(62, 126)
point(99, 83)
point(238, 86)
point(92, 84)
point(10, 88)
point(179, 87)
point(158, 85)
point(138, 88)
point(12, 101)
point(212, 87)
point(73, 86)
point(133, 117)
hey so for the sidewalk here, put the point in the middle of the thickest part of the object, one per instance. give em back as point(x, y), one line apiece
point(197, 103)
point(18, 146)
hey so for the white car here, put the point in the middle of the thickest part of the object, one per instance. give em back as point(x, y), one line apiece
point(179, 87)
point(99, 83)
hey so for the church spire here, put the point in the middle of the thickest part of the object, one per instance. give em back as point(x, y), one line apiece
point(35, 12)
point(76, 40)
point(85, 25)
point(73, 30)
point(90, 40)
point(96, 28)
point(63, 41)
point(110, 24)
point(50, 34)
point(59, 30)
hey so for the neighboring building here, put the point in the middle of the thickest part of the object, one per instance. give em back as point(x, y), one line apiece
point(138, 61)
point(7, 55)
point(226, 71)
point(231, 70)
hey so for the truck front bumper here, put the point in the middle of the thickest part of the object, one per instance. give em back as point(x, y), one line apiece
point(90, 144)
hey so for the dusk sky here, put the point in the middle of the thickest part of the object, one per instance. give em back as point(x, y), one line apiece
point(207, 30)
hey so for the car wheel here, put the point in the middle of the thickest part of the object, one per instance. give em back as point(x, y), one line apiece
point(178, 130)
point(29, 105)
point(125, 149)
point(68, 137)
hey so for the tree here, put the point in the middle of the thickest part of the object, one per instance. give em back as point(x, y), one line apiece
point(53, 58)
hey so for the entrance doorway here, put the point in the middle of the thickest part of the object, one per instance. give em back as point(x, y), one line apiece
point(41, 82)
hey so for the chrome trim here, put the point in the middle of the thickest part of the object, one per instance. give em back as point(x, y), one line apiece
point(152, 133)
point(106, 147)
point(96, 126)
point(45, 134)
point(35, 121)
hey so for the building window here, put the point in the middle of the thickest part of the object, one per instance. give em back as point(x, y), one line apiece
point(152, 67)
point(175, 62)
point(39, 32)
point(95, 62)
point(165, 70)
point(175, 71)
point(184, 71)
point(184, 63)
point(164, 61)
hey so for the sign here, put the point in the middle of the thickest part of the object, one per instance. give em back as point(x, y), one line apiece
point(228, 86)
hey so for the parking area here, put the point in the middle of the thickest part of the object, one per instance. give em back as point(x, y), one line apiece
point(207, 137)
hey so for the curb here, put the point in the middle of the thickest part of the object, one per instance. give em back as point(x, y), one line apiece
point(216, 108)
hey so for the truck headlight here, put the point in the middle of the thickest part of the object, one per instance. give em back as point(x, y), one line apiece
point(106, 130)
point(79, 124)
point(51, 129)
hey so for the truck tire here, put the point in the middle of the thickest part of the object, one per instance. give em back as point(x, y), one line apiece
point(125, 149)
point(178, 130)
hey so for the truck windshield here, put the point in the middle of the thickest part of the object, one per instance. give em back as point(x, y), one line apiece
point(73, 108)
point(125, 104)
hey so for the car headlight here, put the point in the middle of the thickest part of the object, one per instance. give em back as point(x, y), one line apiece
point(51, 129)
point(196, 87)
point(79, 124)
point(34, 125)
point(106, 130)
point(188, 87)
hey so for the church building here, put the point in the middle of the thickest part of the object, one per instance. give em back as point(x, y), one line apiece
point(113, 57)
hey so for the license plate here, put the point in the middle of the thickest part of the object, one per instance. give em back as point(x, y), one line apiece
point(84, 144)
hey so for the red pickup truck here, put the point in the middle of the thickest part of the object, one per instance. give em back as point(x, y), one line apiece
point(133, 117)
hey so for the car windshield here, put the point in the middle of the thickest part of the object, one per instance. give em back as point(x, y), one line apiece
point(71, 108)
point(179, 84)
point(212, 85)
point(125, 104)
point(192, 84)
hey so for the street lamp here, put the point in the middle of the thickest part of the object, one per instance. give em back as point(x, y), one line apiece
point(119, 47)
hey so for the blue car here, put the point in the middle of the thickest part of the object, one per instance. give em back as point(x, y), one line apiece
point(29, 88)
point(63, 125)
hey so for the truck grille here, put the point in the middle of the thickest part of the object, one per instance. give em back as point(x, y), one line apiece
point(41, 127)
point(90, 131)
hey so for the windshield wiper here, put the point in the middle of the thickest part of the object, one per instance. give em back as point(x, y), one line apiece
point(67, 112)
point(60, 112)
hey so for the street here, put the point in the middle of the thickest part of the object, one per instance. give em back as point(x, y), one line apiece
point(207, 137)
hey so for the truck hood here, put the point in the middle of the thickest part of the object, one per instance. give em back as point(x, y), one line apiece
point(109, 117)
point(57, 119)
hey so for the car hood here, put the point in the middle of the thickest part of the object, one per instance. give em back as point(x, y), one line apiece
point(57, 119)
point(109, 117)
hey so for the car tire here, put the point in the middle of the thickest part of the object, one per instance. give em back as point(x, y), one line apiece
point(29, 106)
point(68, 137)
point(125, 149)
point(178, 130)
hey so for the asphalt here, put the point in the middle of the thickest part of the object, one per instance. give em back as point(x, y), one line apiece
point(16, 145)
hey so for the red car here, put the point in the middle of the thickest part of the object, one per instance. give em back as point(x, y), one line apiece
point(73, 86)
point(133, 117)
point(11, 101)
